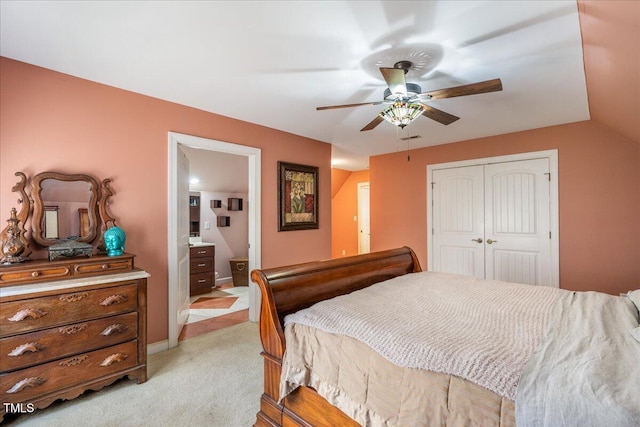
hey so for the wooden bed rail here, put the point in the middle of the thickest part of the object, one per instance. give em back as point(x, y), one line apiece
point(291, 288)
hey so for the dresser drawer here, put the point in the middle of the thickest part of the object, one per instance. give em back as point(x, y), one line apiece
point(25, 350)
point(45, 312)
point(201, 251)
point(199, 265)
point(25, 384)
point(64, 268)
point(35, 274)
point(103, 266)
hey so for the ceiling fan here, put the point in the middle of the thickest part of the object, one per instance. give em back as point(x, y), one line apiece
point(410, 97)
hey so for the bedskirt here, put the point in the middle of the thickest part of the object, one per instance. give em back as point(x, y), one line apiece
point(375, 392)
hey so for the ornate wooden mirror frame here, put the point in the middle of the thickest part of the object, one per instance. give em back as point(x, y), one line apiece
point(39, 207)
point(98, 217)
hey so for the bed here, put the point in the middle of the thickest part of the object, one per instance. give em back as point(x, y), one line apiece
point(380, 369)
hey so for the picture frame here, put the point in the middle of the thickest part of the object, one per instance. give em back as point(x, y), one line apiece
point(297, 197)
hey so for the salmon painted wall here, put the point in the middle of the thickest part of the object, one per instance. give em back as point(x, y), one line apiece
point(610, 35)
point(599, 191)
point(344, 206)
point(338, 177)
point(55, 122)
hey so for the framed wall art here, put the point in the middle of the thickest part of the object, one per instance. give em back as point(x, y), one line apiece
point(297, 197)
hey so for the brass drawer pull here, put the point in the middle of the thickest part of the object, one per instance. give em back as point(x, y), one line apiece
point(116, 328)
point(27, 382)
point(33, 347)
point(34, 313)
point(114, 358)
point(114, 299)
point(35, 274)
point(105, 266)
point(73, 297)
point(73, 329)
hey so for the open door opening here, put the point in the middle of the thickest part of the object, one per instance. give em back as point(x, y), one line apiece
point(176, 205)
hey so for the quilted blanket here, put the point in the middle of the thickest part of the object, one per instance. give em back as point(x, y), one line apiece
point(482, 331)
point(586, 372)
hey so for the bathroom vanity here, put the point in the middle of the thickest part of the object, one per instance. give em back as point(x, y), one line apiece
point(202, 267)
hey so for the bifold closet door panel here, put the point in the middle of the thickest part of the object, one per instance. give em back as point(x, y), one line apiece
point(458, 221)
point(518, 245)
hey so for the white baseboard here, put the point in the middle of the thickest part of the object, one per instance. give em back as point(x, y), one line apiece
point(224, 280)
point(157, 347)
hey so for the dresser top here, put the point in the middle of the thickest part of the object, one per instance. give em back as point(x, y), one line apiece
point(36, 271)
point(10, 291)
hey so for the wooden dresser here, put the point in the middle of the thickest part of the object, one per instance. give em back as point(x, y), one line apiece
point(202, 268)
point(68, 326)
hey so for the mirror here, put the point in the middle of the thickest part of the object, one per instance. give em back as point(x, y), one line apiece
point(51, 225)
point(65, 206)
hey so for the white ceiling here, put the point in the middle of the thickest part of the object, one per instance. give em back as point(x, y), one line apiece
point(273, 62)
point(217, 172)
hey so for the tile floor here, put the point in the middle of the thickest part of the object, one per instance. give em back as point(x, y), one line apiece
point(225, 306)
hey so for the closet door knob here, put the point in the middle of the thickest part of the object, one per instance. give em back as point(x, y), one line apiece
point(478, 240)
point(489, 241)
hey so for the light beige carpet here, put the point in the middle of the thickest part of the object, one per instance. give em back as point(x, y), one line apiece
point(210, 380)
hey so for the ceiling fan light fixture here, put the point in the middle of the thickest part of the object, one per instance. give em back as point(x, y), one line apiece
point(402, 113)
point(413, 90)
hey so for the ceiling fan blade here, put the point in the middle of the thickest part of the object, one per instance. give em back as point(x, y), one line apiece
point(494, 85)
point(373, 123)
point(439, 115)
point(395, 80)
point(332, 107)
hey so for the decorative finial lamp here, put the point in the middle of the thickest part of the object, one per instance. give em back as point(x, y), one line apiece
point(12, 246)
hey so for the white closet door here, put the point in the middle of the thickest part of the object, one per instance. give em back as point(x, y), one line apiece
point(458, 221)
point(364, 236)
point(518, 245)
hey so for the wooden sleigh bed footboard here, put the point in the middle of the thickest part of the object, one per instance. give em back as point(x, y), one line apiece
point(288, 289)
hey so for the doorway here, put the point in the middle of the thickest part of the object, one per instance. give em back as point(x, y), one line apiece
point(253, 201)
point(364, 229)
point(496, 218)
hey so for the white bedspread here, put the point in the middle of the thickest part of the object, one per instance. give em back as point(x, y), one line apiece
point(486, 330)
point(587, 370)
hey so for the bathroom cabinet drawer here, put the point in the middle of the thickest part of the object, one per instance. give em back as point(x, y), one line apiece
point(201, 251)
point(201, 283)
point(199, 265)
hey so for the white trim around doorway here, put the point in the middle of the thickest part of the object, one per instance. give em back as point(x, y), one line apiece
point(254, 206)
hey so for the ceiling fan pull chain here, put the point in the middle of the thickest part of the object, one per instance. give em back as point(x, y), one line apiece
point(408, 155)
